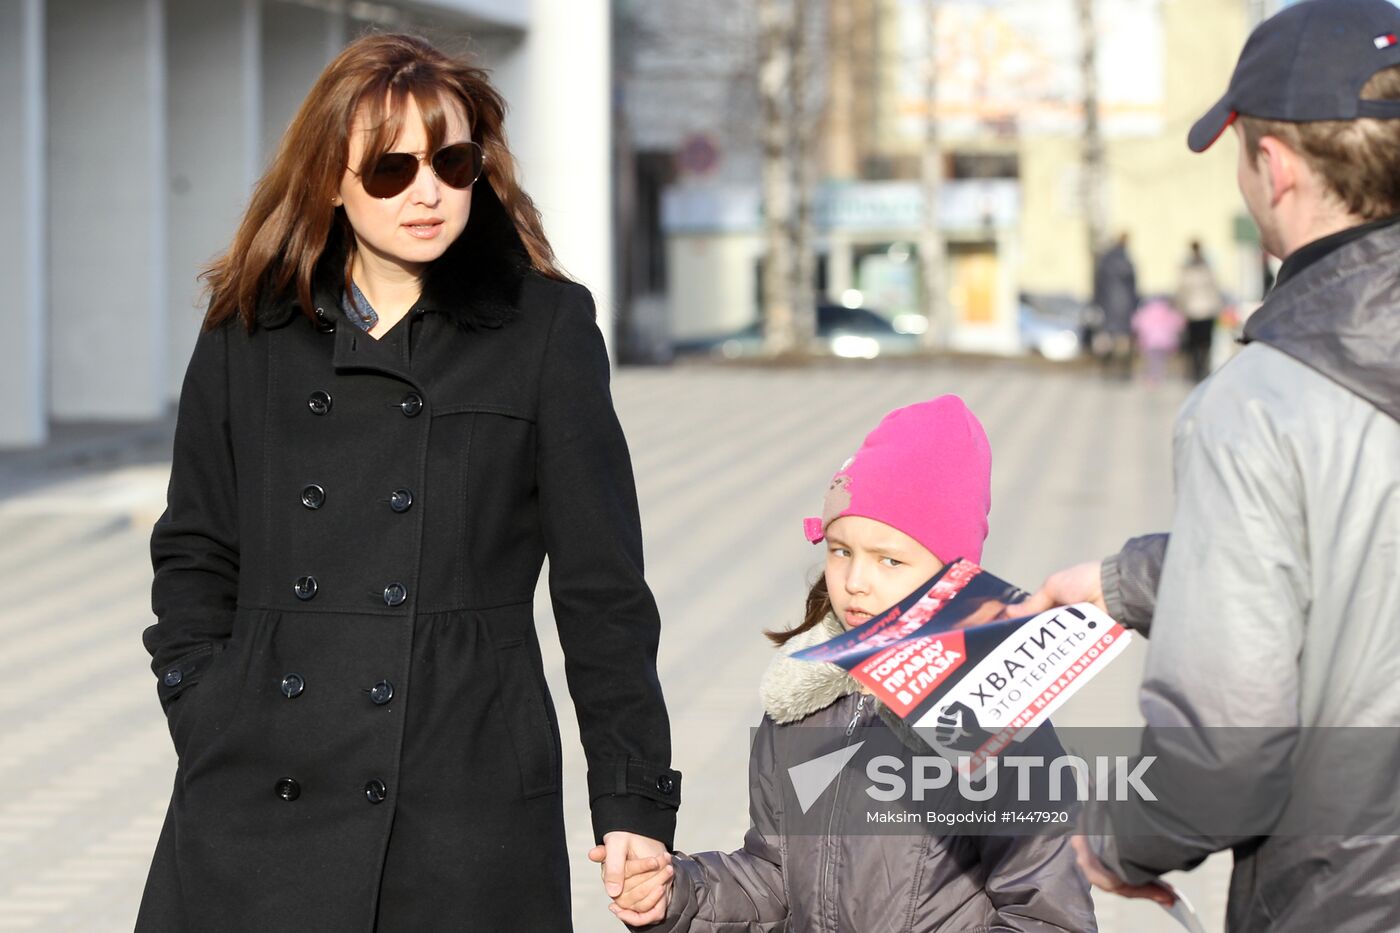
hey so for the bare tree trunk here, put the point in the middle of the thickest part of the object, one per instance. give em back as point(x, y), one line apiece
point(774, 74)
point(1092, 152)
point(806, 111)
point(932, 248)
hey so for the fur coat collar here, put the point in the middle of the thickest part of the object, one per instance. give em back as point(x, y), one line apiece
point(793, 689)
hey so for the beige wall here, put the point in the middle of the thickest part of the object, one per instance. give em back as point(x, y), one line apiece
point(712, 283)
point(1159, 192)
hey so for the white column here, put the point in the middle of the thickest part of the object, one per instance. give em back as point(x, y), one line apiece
point(107, 208)
point(558, 85)
point(23, 353)
point(296, 47)
point(215, 113)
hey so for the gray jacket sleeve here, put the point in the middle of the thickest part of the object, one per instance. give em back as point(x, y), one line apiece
point(1129, 579)
point(1033, 883)
point(1220, 693)
point(719, 892)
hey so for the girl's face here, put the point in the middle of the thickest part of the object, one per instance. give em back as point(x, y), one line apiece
point(870, 566)
point(417, 225)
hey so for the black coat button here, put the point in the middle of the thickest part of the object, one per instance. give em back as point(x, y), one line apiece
point(400, 500)
point(293, 685)
point(375, 791)
point(381, 693)
point(411, 405)
point(395, 594)
point(173, 677)
point(324, 323)
point(319, 402)
point(305, 587)
point(665, 784)
point(288, 789)
point(313, 496)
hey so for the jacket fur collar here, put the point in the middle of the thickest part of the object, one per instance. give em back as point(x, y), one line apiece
point(476, 283)
point(793, 689)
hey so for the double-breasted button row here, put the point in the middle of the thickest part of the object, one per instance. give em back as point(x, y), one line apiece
point(289, 789)
point(319, 402)
point(294, 684)
point(395, 594)
point(313, 496)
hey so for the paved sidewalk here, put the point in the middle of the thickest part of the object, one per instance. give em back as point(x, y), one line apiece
point(728, 461)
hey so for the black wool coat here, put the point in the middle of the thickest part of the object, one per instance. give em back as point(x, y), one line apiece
point(344, 643)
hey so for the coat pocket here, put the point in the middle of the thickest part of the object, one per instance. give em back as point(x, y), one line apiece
point(533, 732)
point(184, 710)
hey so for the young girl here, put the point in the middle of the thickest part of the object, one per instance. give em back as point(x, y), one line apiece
point(916, 495)
point(397, 406)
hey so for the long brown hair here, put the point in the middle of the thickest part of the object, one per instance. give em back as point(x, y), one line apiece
point(818, 608)
point(291, 224)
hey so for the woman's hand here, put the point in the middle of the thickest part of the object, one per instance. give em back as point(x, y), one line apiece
point(637, 875)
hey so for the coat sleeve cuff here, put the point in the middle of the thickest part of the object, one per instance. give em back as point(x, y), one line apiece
point(635, 796)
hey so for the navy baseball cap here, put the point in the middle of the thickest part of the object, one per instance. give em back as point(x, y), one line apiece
point(1309, 62)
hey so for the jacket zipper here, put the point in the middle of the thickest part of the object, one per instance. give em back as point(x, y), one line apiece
point(860, 708)
point(835, 806)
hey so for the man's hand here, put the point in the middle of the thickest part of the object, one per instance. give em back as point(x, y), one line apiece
point(617, 851)
point(1081, 583)
point(1103, 879)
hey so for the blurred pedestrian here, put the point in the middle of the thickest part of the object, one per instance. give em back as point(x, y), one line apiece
point(916, 492)
point(1198, 296)
point(1273, 605)
point(1157, 327)
point(397, 406)
point(1116, 295)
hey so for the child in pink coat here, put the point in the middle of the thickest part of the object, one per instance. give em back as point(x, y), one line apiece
point(1157, 326)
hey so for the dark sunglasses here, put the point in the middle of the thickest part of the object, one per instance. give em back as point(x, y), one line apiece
point(457, 166)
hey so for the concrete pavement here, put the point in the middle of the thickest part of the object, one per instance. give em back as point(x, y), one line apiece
point(728, 461)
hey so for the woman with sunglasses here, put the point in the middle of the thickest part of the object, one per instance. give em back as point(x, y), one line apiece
point(396, 407)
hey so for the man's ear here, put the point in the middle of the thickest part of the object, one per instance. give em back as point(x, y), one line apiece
point(1280, 166)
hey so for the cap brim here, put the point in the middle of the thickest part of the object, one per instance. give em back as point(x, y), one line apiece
point(1210, 127)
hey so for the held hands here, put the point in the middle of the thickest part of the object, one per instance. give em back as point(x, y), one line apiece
point(1081, 583)
point(637, 874)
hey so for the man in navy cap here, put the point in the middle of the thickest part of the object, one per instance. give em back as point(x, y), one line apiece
point(1272, 689)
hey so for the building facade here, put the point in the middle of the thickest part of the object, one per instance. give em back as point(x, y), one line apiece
point(1009, 116)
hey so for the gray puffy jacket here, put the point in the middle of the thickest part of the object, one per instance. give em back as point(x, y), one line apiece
point(843, 882)
point(1275, 606)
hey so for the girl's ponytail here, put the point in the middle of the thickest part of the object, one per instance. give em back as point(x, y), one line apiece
point(818, 608)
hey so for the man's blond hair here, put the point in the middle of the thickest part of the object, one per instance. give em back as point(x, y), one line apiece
point(1359, 160)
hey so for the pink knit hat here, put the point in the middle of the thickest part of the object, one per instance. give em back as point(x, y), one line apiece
point(925, 470)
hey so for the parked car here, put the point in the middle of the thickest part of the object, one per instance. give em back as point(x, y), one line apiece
point(852, 333)
point(1054, 326)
